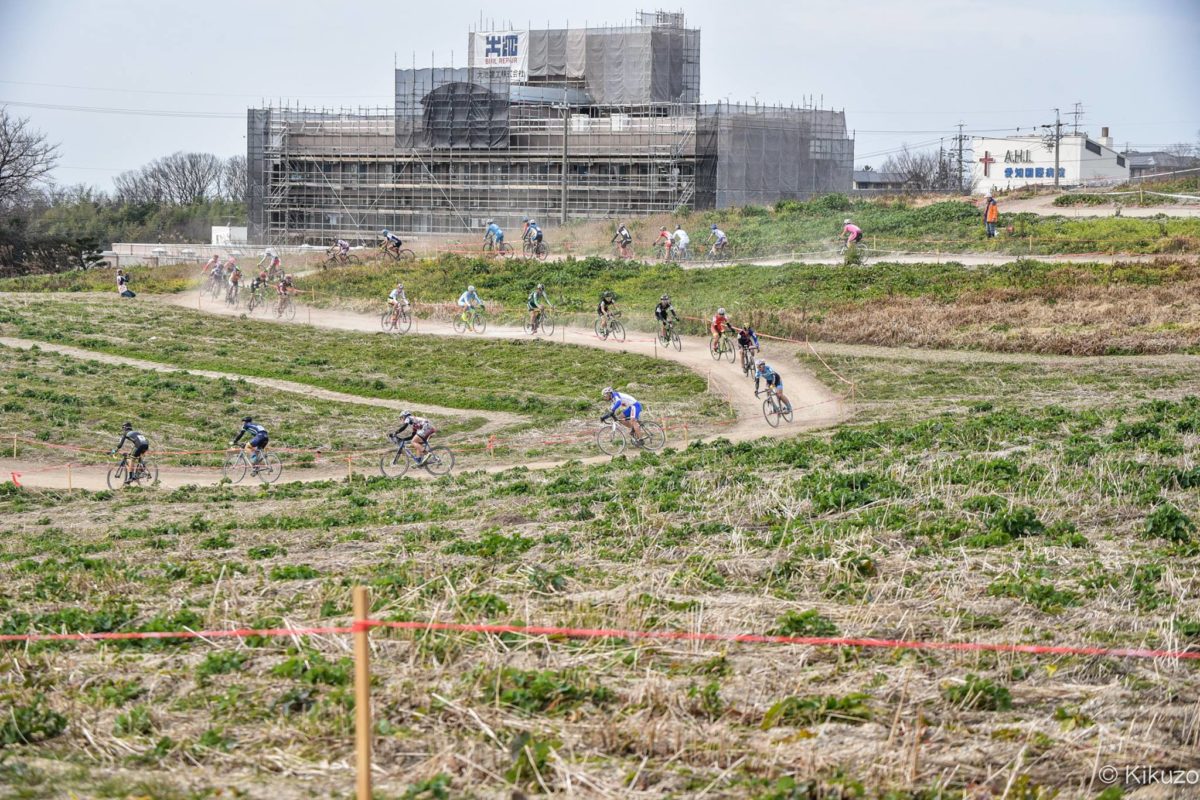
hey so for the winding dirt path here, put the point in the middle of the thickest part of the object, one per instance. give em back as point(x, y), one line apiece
point(815, 405)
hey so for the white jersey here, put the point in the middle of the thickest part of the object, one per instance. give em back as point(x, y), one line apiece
point(681, 237)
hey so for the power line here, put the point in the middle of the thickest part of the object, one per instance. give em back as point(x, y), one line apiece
point(185, 94)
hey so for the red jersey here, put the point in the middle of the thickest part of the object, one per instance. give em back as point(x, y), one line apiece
point(719, 322)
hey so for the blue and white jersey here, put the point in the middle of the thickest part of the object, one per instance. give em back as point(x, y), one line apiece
point(494, 231)
point(622, 400)
point(469, 298)
point(720, 235)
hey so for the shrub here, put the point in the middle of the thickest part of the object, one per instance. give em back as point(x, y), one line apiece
point(30, 722)
point(544, 691)
point(1168, 522)
point(807, 623)
point(803, 711)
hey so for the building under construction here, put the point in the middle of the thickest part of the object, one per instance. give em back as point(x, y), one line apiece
point(559, 125)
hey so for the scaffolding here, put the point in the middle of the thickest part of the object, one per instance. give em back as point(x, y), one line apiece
point(594, 123)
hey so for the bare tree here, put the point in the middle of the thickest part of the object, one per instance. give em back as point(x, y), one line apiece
point(1180, 149)
point(177, 179)
point(26, 158)
point(234, 179)
point(924, 170)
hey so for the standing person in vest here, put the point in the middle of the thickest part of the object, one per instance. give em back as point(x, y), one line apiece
point(991, 215)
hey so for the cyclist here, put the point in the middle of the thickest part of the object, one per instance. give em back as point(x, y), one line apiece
point(852, 232)
point(215, 270)
point(664, 241)
point(626, 239)
point(227, 269)
point(258, 438)
point(391, 241)
point(771, 378)
point(259, 284)
point(681, 243)
point(607, 305)
point(747, 341)
point(627, 406)
point(284, 288)
point(664, 312)
point(212, 265)
point(537, 299)
point(343, 249)
point(419, 430)
point(493, 233)
point(525, 228)
point(269, 255)
point(533, 233)
point(720, 323)
point(235, 280)
point(140, 445)
point(397, 297)
point(469, 300)
point(718, 238)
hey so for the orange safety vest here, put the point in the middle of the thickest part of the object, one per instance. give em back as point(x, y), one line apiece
point(993, 213)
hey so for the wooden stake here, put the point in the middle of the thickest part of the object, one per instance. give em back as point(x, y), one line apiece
point(14, 446)
point(349, 469)
point(362, 692)
point(70, 485)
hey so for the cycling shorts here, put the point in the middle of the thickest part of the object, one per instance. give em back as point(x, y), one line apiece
point(424, 432)
point(775, 381)
point(634, 411)
point(260, 440)
point(857, 237)
point(140, 449)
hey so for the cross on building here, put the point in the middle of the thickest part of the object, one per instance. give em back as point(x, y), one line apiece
point(987, 162)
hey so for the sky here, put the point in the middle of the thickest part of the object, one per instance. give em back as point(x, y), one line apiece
point(904, 71)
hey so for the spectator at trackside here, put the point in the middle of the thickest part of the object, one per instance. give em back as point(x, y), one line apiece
point(991, 215)
point(123, 284)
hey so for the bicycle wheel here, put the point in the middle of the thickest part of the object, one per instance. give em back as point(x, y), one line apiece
point(438, 461)
point(541, 251)
point(289, 310)
point(611, 441)
point(771, 412)
point(252, 303)
point(601, 328)
point(352, 260)
point(528, 326)
point(676, 341)
point(787, 413)
point(727, 351)
point(478, 323)
point(653, 436)
point(148, 474)
point(506, 249)
point(616, 330)
point(215, 291)
point(234, 468)
point(460, 325)
point(403, 322)
point(268, 469)
point(546, 325)
point(393, 465)
point(116, 476)
point(715, 350)
point(527, 250)
point(406, 255)
point(387, 321)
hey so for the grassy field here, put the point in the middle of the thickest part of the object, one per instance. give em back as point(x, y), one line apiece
point(175, 278)
point(59, 400)
point(1022, 306)
point(550, 383)
point(1004, 499)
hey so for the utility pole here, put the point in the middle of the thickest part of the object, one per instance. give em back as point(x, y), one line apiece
point(562, 218)
point(960, 157)
point(1057, 126)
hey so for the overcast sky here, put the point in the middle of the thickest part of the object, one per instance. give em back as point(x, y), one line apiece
point(905, 71)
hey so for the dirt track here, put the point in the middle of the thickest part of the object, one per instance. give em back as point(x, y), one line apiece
point(815, 406)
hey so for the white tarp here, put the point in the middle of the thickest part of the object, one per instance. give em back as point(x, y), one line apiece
point(501, 49)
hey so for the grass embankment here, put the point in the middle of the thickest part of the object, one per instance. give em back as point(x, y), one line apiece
point(1022, 306)
point(1185, 185)
point(62, 400)
point(549, 382)
point(951, 226)
point(154, 280)
point(1045, 505)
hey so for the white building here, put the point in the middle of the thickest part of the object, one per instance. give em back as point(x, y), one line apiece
point(1010, 162)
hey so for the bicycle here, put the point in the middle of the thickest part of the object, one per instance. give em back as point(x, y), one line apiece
point(773, 409)
point(125, 473)
point(544, 324)
point(718, 254)
point(231, 295)
point(216, 285)
point(474, 322)
point(267, 469)
point(667, 336)
point(397, 254)
point(436, 461)
point(622, 252)
point(537, 250)
point(257, 299)
point(337, 259)
point(608, 325)
point(748, 354)
point(662, 251)
point(613, 438)
point(395, 319)
point(723, 347)
point(286, 309)
point(863, 251)
point(504, 250)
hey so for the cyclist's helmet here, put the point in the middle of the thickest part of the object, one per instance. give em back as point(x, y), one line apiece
point(663, 229)
point(758, 362)
point(405, 414)
point(665, 299)
point(262, 275)
point(714, 226)
point(247, 419)
point(607, 392)
point(399, 285)
point(541, 287)
point(127, 426)
point(608, 295)
point(386, 231)
point(846, 222)
point(526, 219)
point(720, 312)
point(489, 221)
point(533, 222)
point(470, 288)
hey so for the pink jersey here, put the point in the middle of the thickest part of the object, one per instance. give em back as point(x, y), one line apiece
point(852, 229)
